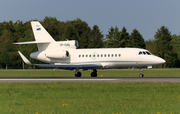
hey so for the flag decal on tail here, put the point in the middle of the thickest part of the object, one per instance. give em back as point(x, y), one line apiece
point(38, 29)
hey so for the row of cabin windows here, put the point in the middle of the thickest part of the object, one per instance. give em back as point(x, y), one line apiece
point(101, 55)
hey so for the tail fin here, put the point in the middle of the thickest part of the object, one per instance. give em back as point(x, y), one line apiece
point(41, 34)
point(42, 38)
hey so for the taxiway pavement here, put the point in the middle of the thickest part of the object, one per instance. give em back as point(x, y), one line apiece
point(87, 79)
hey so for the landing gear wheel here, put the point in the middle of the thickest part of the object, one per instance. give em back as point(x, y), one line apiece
point(94, 74)
point(78, 74)
point(141, 75)
point(141, 71)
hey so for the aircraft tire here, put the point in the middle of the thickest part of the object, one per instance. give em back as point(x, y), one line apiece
point(78, 74)
point(141, 75)
point(94, 74)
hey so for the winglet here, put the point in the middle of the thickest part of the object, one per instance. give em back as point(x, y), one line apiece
point(24, 58)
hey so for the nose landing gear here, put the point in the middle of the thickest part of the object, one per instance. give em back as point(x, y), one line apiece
point(141, 71)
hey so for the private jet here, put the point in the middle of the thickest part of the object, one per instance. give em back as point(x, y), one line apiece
point(65, 55)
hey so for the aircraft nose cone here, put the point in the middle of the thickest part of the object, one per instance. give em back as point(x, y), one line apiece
point(157, 60)
point(160, 60)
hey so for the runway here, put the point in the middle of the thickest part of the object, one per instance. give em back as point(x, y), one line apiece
point(88, 79)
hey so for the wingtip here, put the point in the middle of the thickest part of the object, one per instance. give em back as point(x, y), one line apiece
point(24, 58)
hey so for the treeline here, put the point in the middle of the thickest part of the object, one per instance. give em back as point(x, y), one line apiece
point(164, 45)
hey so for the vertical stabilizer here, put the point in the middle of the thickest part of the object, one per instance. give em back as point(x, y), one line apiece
point(41, 34)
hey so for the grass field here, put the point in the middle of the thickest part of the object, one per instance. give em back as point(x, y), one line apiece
point(90, 98)
point(104, 73)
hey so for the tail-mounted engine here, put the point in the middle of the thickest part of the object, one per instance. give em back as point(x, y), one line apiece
point(73, 44)
point(60, 54)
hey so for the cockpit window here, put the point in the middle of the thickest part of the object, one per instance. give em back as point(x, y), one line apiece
point(140, 53)
point(148, 53)
point(145, 53)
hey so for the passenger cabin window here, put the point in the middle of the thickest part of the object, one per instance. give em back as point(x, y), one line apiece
point(111, 55)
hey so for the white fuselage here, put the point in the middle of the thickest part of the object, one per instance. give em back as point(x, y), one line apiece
point(107, 57)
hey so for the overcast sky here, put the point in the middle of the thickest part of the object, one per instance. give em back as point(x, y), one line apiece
point(144, 15)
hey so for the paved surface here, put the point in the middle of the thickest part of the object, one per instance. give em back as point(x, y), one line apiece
point(87, 79)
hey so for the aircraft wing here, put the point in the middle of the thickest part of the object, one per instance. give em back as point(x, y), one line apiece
point(24, 58)
point(72, 66)
point(63, 66)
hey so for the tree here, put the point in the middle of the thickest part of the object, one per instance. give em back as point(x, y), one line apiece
point(70, 33)
point(54, 27)
point(137, 40)
point(164, 48)
point(27, 49)
point(6, 48)
point(113, 39)
point(96, 38)
point(125, 36)
point(19, 29)
point(175, 42)
point(83, 31)
point(151, 46)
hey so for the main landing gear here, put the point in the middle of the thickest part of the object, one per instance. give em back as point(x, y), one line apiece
point(141, 71)
point(78, 74)
point(94, 73)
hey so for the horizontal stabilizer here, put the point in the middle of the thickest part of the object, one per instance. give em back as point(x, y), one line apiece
point(33, 42)
point(24, 58)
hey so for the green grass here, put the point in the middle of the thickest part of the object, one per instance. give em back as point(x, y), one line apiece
point(103, 73)
point(90, 98)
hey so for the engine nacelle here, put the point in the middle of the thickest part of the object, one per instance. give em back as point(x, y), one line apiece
point(68, 44)
point(60, 54)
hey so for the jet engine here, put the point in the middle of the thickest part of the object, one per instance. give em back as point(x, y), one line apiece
point(60, 54)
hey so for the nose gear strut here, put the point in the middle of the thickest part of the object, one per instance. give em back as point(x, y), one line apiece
point(141, 71)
